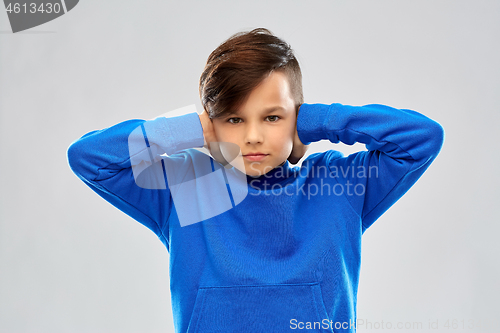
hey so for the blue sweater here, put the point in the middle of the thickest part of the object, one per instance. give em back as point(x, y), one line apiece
point(285, 256)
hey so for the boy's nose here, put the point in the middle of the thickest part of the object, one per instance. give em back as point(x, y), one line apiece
point(254, 134)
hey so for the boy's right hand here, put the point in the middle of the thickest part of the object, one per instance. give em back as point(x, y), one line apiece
point(209, 136)
point(208, 129)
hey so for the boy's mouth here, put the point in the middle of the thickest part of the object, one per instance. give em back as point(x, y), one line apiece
point(255, 156)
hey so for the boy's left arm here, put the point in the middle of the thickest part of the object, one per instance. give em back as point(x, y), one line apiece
point(401, 145)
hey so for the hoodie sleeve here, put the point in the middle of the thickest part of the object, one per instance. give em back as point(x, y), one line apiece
point(400, 143)
point(124, 164)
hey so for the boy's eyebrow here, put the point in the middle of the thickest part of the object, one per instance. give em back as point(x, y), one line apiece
point(266, 111)
point(274, 108)
point(232, 113)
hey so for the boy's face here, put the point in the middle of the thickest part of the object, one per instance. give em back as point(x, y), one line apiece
point(265, 123)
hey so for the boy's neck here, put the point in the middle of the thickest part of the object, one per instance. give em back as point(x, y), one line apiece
point(278, 174)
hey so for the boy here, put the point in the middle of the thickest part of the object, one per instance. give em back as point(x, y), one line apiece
point(286, 255)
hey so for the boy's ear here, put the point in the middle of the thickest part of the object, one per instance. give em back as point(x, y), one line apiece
point(297, 109)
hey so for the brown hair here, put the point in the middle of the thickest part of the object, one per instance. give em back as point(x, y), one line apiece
point(240, 63)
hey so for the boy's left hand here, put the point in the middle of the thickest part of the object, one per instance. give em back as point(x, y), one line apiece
point(299, 149)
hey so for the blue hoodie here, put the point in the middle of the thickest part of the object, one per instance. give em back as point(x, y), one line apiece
point(284, 256)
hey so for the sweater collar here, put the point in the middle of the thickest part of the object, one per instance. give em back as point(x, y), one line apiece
point(276, 175)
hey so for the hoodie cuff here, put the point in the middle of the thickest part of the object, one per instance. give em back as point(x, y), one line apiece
point(311, 122)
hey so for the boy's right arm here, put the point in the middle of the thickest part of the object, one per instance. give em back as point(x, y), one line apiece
point(105, 159)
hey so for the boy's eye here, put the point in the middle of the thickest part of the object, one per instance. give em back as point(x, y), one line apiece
point(235, 120)
point(229, 120)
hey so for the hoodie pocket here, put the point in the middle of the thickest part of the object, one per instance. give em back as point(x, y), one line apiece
point(259, 308)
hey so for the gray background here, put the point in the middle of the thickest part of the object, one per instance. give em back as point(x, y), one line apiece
point(71, 262)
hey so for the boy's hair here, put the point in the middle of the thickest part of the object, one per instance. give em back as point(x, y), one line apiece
point(239, 64)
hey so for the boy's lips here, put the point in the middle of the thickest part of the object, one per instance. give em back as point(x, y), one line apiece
point(255, 156)
point(255, 153)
